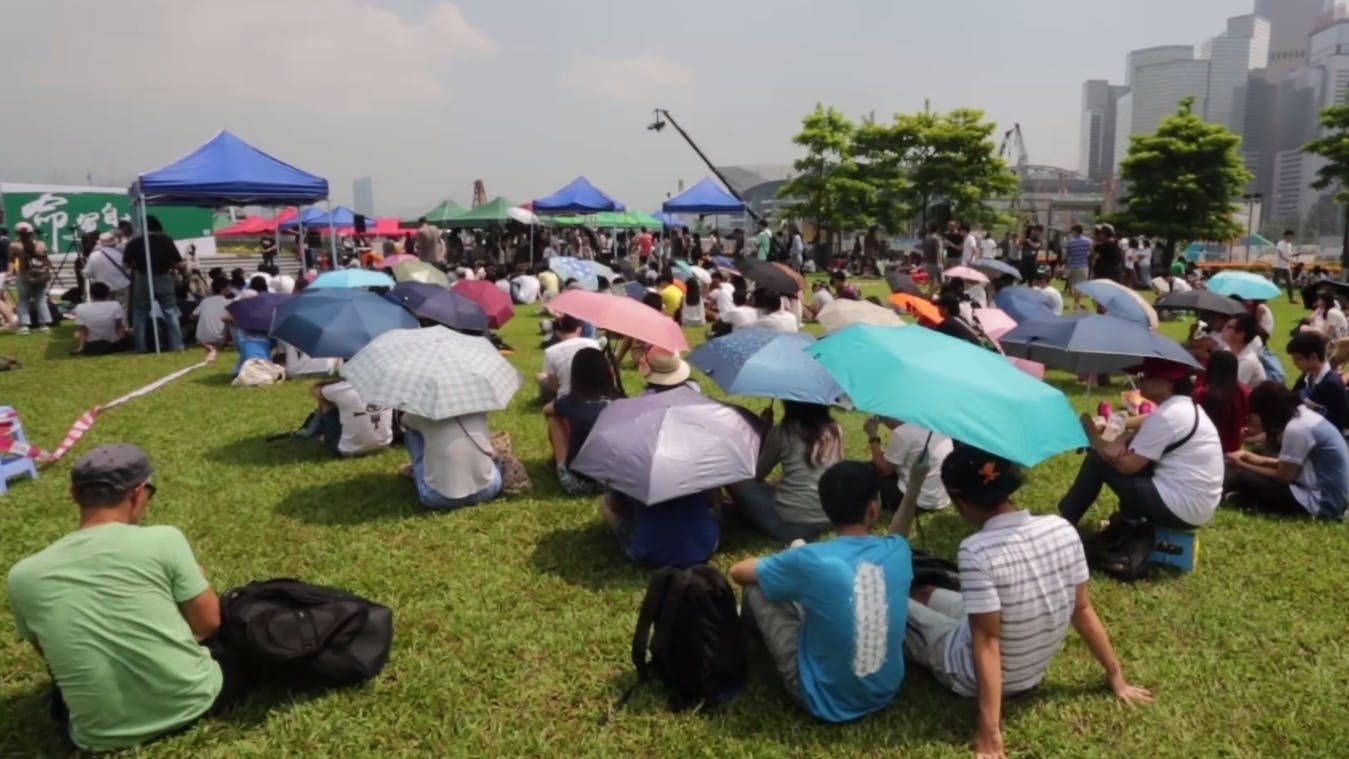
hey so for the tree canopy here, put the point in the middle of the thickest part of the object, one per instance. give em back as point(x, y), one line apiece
point(1333, 146)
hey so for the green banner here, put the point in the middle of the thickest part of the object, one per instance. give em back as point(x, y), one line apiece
point(60, 214)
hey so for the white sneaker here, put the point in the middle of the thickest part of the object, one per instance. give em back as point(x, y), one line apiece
point(44, 329)
point(22, 330)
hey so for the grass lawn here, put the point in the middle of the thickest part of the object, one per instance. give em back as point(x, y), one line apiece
point(513, 619)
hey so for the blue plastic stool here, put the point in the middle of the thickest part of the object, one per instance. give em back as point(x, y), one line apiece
point(1175, 548)
point(14, 466)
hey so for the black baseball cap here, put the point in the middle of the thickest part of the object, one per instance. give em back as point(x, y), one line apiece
point(110, 470)
point(979, 476)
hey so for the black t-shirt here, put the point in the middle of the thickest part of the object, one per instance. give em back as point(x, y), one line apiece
point(956, 239)
point(1108, 256)
point(956, 327)
point(164, 254)
point(580, 416)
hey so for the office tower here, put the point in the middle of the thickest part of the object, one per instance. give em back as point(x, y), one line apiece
point(363, 196)
point(1232, 56)
point(1290, 23)
point(1096, 150)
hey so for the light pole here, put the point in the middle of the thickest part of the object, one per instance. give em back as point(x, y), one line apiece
point(1251, 199)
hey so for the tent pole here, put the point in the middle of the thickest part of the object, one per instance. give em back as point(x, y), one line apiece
point(531, 246)
point(149, 272)
point(300, 246)
point(332, 235)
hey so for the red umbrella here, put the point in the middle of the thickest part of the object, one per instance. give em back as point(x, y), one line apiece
point(494, 302)
point(622, 315)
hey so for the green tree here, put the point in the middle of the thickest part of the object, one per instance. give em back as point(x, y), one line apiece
point(1334, 147)
point(1181, 181)
point(828, 187)
point(921, 159)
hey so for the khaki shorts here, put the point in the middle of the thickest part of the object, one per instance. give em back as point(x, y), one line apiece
point(1076, 274)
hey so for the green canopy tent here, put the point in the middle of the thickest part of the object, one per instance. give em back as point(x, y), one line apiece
point(443, 213)
point(485, 215)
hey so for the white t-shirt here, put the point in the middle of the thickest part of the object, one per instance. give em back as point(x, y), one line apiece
point(1189, 478)
point(1283, 254)
point(282, 283)
point(101, 318)
point(364, 428)
point(557, 360)
point(907, 443)
point(526, 288)
point(504, 285)
point(988, 248)
point(740, 316)
point(970, 250)
point(822, 299)
point(1265, 318)
point(1054, 297)
point(693, 316)
point(210, 322)
point(979, 297)
point(105, 265)
point(782, 321)
point(299, 363)
point(456, 462)
point(722, 300)
point(1179, 285)
point(1250, 372)
point(1333, 324)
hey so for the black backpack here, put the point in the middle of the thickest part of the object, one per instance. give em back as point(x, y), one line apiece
point(689, 635)
point(299, 635)
point(1121, 550)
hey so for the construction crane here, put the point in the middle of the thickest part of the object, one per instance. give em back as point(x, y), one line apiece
point(479, 193)
point(1012, 140)
point(658, 123)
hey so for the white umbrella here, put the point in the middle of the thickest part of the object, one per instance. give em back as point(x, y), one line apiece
point(844, 313)
point(702, 274)
point(433, 372)
point(522, 215)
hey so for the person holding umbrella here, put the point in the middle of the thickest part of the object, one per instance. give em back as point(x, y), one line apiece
point(1170, 472)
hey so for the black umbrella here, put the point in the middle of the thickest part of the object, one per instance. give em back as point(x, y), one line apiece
point(767, 275)
point(900, 282)
point(1200, 300)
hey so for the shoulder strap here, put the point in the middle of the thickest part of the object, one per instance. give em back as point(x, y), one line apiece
point(120, 268)
point(1193, 428)
point(646, 618)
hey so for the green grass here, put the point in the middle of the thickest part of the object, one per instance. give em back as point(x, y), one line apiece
point(513, 619)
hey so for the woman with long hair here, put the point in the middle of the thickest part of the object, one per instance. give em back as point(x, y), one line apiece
point(572, 416)
point(1310, 475)
point(806, 443)
point(1224, 399)
point(691, 311)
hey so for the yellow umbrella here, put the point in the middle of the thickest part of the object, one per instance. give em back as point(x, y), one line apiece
point(420, 271)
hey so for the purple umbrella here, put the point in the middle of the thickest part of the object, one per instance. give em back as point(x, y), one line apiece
point(254, 314)
point(440, 305)
point(666, 445)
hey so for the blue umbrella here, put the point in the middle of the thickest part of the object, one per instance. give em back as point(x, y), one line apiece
point(951, 387)
point(1024, 304)
point(725, 262)
point(635, 290)
point(1242, 284)
point(1091, 343)
point(337, 323)
point(254, 314)
point(440, 305)
point(567, 268)
point(995, 267)
point(768, 364)
point(349, 278)
point(600, 270)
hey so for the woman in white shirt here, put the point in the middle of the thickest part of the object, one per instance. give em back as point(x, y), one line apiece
point(692, 312)
point(772, 313)
point(452, 464)
point(1328, 319)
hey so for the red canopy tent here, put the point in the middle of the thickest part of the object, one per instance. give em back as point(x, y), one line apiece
point(255, 225)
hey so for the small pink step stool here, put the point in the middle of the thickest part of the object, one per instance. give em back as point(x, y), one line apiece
point(13, 466)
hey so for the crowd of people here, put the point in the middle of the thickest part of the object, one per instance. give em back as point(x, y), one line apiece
point(839, 611)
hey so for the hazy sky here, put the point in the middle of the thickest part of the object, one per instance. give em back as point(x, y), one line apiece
point(426, 96)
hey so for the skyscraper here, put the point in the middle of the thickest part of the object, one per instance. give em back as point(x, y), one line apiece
point(1096, 151)
point(1232, 56)
point(1290, 23)
point(363, 196)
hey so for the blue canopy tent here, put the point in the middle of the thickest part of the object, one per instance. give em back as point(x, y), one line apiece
point(667, 220)
point(705, 197)
point(225, 171)
point(307, 218)
point(315, 217)
point(578, 197)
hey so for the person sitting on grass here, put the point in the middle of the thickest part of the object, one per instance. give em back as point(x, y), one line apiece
point(572, 416)
point(832, 614)
point(122, 614)
point(1241, 334)
point(101, 324)
point(806, 444)
point(679, 532)
point(1321, 388)
point(346, 424)
point(212, 328)
point(1310, 475)
point(1023, 581)
point(555, 379)
point(1224, 399)
point(1170, 472)
point(907, 445)
point(452, 461)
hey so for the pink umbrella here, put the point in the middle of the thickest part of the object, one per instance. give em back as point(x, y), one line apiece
point(622, 315)
point(396, 259)
point(995, 323)
point(494, 302)
point(965, 273)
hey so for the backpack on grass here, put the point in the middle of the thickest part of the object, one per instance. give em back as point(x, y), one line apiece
point(690, 637)
point(1121, 550)
point(301, 635)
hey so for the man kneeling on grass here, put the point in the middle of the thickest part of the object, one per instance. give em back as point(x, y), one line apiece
point(119, 612)
point(1023, 580)
point(832, 613)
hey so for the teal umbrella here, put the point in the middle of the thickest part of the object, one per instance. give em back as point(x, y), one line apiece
point(952, 387)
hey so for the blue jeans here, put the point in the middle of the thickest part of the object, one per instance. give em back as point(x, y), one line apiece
point(140, 313)
point(416, 445)
point(757, 501)
point(29, 296)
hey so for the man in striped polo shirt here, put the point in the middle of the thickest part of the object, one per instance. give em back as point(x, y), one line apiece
point(1023, 581)
point(1077, 260)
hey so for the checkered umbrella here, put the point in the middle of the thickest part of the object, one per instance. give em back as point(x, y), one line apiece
point(433, 372)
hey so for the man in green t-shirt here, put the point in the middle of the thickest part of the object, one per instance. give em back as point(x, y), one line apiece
point(763, 242)
point(119, 613)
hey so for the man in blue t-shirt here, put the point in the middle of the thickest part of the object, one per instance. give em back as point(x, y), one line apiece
point(832, 614)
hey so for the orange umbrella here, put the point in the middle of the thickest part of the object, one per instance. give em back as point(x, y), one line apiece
point(796, 277)
point(919, 307)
